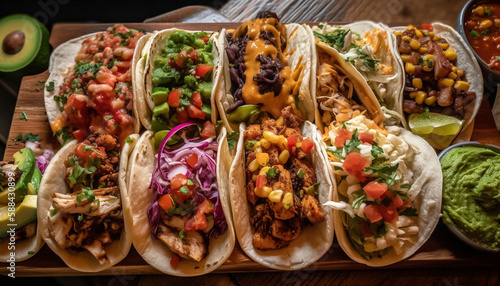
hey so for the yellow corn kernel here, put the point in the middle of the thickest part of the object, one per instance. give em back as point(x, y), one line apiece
point(419, 33)
point(497, 23)
point(271, 136)
point(428, 64)
point(287, 200)
point(397, 34)
point(279, 121)
point(479, 11)
point(444, 46)
point(413, 94)
point(431, 34)
point(410, 27)
point(486, 24)
point(444, 82)
point(454, 69)
point(263, 192)
point(460, 72)
point(406, 39)
point(282, 142)
point(262, 158)
point(405, 57)
point(265, 143)
point(275, 196)
point(422, 50)
point(436, 38)
point(462, 85)
point(452, 75)
point(253, 166)
point(409, 67)
point(417, 83)
point(415, 44)
point(450, 53)
point(428, 57)
point(264, 170)
point(283, 157)
point(430, 100)
point(420, 97)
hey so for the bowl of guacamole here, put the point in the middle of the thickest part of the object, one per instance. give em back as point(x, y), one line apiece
point(471, 194)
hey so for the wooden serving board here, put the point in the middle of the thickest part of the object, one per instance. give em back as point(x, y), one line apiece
point(441, 250)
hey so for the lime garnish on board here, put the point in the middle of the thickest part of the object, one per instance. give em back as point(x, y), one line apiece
point(435, 123)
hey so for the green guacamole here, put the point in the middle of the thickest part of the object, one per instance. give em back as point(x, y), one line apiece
point(471, 193)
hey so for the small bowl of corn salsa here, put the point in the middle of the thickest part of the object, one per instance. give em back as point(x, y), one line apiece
point(479, 25)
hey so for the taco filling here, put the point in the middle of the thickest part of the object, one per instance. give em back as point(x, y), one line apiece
point(90, 215)
point(186, 211)
point(374, 186)
point(281, 184)
point(432, 78)
point(261, 78)
point(182, 80)
point(96, 95)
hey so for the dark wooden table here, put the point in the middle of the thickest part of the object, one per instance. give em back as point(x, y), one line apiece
point(457, 267)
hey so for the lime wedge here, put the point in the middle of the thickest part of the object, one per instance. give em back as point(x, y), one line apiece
point(435, 123)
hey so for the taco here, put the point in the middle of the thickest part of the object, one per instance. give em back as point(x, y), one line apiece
point(19, 184)
point(175, 78)
point(371, 49)
point(179, 203)
point(340, 93)
point(82, 200)
point(90, 86)
point(443, 85)
point(278, 217)
point(388, 197)
point(267, 66)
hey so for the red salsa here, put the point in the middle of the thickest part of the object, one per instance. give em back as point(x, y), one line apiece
point(482, 27)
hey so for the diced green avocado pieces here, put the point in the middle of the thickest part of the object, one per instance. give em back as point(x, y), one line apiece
point(161, 109)
point(25, 161)
point(158, 123)
point(160, 95)
point(24, 213)
point(25, 47)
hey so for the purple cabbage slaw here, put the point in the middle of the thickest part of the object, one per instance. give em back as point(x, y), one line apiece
point(203, 174)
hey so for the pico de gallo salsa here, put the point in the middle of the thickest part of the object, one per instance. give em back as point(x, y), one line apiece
point(482, 27)
point(96, 95)
point(182, 81)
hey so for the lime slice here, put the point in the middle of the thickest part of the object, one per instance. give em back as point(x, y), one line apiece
point(435, 123)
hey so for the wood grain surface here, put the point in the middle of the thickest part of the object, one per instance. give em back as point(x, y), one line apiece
point(442, 260)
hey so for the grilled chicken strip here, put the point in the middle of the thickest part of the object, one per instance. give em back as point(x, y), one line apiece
point(262, 240)
point(195, 247)
point(312, 209)
point(102, 205)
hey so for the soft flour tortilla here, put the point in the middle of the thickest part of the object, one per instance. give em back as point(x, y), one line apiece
point(301, 43)
point(62, 62)
point(145, 67)
point(314, 241)
point(153, 250)
point(428, 182)
point(473, 75)
point(365, 95)
point(52, 182)
point(381, 39)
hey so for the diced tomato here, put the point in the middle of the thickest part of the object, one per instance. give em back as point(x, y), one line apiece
point(365, 229)
point(181, 58)
point(389, 213)
point(182, 116)
point(196, 100)
point(80, 134)
point(292, 143)
point(354, 164)
point(342, 136)
point(387, 193)
point(398, 201)
point(406, 204)
point(372, 213)
point(198, 221)
point(173, 98)
point(178, 181)
point(174, 261)
point(427, 27)
point(179, 197)
point(261, 181)
point(105, 76)
point(205, 207)
point(192, 160)
point(205, 39)
point(202, 69)
point(375, 189)
point(195, 112)
point(165, 202)
point(366, 137)
point(307, 145)
point(77, 111)
point(172, 63)
point(193, 55)
point(208, 130)
point(84, 151)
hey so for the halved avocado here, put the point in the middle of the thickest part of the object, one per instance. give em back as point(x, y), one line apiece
point(24, 213)
point(25, 45)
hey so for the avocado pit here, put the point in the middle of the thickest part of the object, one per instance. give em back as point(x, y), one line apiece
point(13, 43)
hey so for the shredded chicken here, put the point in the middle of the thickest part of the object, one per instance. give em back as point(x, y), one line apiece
point(193, 247)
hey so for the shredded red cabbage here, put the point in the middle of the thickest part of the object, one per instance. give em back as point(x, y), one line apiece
point(203, 174)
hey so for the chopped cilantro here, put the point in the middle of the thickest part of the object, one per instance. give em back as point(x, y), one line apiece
point(31, 252)
point(474, 33)
point(182, 236)
point(271, 173)
point(129, 140)
point(28, 137)
point(376, 150)
point(23, 116)
point(486, 32)
point(387, 173)
point(85, 194)
point(320, 26)
point(335, 39)
point(409, 212)
point(50, 87)
point(108, 117)
point(487, 11)
point(360, 198)
point(185, 190)
point(88, 148)
point(112, 63)
point(83, 68)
